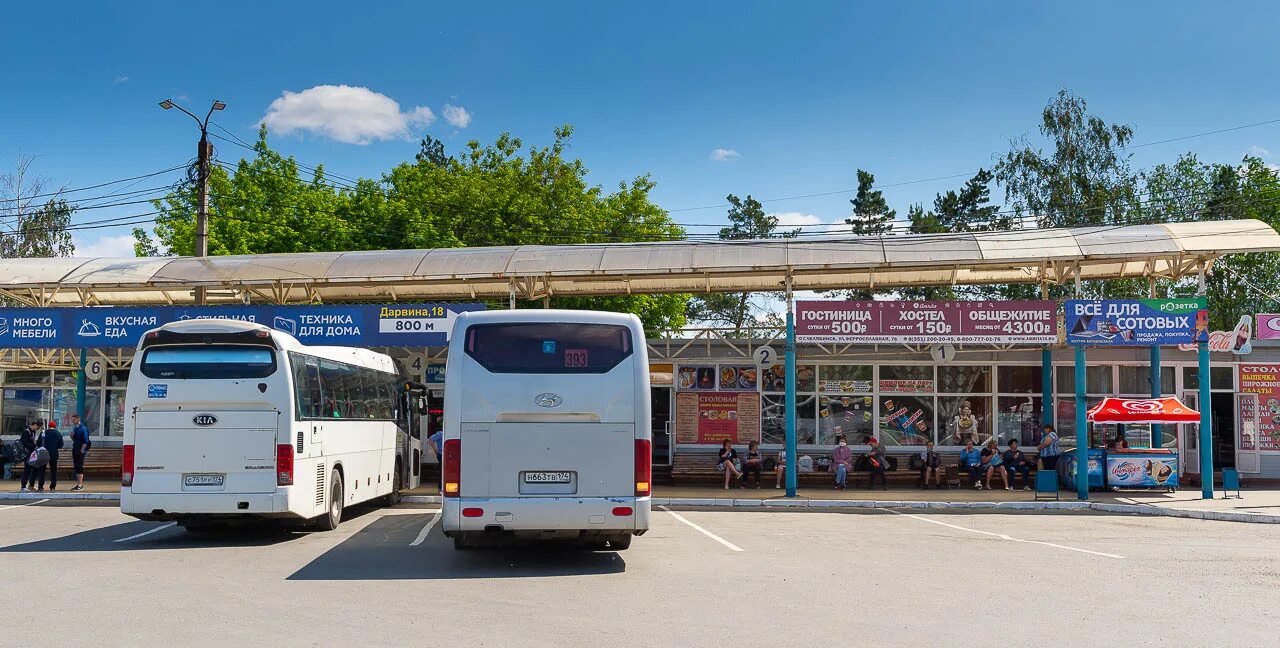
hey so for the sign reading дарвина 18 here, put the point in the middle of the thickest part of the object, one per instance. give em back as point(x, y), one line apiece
point(927, 322)
point(391, 325)
point(1136, 322)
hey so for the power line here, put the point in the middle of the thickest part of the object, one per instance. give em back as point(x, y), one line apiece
point(97, 186)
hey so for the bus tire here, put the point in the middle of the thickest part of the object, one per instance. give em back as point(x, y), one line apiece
point(330, 520)
point(620, 542)
point(462, 543)
point(397, 483)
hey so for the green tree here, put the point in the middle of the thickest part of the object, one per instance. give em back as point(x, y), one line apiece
point(748, 220)
point(33, 218)
point(871, 214)
point(966, 210)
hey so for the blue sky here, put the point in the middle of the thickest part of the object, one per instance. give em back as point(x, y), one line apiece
point(800, 93)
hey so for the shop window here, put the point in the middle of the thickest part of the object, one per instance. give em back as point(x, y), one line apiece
point(115, 413)
point(773, 422)
point(27, 378)
point(1019, 417)
point(1137, 380)
point(845, 379)
point(737, 378)
point(21, 405)
point(118, 378)
point(775, 378)
point(906, 420)
point(1219, 378)
point(963, 419)
point(1020, 379)
point(697, 377)
point(910, 379)
point(852, 416)
point(1065, 419)
point(1097, 379)
point(65, 378)
point(964, 379)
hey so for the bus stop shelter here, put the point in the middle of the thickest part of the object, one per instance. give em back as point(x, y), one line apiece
point(1044, 257)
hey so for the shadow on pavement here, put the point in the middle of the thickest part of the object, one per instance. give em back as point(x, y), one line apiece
point(383, 551)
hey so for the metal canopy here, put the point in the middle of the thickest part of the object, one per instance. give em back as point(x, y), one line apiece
point(1042, 256)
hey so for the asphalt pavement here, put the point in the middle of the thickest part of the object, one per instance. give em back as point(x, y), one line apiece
point(698, 578)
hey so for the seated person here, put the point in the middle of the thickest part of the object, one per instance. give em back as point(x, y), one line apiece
point(842, 462)
point(780, 468)
point(971, 462)
point(929, 461)
point(753, 463)
point(993, 464)
point(727, 463)
point(1015, 462)
point(877, 463)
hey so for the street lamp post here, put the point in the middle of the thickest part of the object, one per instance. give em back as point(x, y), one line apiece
point(202, 210)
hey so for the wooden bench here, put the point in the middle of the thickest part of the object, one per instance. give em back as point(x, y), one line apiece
point(100, 463)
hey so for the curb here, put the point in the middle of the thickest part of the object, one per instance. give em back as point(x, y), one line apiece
point(421, 499)
point(55, 496)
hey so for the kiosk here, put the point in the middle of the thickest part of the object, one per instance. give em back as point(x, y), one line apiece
point(1138, 467)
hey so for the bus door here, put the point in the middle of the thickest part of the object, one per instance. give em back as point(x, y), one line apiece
point(411, 405)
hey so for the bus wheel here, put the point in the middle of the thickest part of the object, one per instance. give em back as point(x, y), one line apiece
point(620, 542)
point(397, 482)
point(462, 543)
point(330, 520)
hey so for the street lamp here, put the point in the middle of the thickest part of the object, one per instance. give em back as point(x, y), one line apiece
point(202, 211)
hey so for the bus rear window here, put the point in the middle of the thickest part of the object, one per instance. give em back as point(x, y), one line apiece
point(548, 347)
point(208, 362)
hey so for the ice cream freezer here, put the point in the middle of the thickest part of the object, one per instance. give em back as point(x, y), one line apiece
point(1142, 469)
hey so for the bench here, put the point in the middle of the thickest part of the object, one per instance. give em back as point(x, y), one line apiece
point(100, 462)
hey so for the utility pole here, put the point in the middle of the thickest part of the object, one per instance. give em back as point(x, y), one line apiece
point(203, 157)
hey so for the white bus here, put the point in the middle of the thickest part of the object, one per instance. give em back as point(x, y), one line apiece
point(546, 430)
point(229, 419)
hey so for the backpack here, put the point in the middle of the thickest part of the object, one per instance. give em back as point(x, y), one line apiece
point(39, 458)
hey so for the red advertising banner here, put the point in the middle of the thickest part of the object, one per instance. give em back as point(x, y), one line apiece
point(1264, 380)
point(916, 322)
point(712, 417)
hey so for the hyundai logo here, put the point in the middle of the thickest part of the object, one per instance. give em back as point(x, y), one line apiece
point(204, 420)
point(548, 399)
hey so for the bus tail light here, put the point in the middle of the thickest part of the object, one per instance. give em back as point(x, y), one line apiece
point(451, 466)
point(622, 511)
point(644, 467)
point(284, 464)
point(472, 512)
point(126, 466)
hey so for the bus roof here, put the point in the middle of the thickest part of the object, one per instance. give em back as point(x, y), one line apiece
point(284, 341)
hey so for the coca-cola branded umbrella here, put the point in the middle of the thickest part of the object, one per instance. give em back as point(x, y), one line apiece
point(1143, 410)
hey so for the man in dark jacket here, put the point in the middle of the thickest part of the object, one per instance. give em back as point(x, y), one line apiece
point(80, 445)
point(52, 442)
point(28, 441)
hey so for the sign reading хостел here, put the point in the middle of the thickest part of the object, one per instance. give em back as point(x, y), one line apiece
point(927, 322)
point(1136, 322)
point(389, 325)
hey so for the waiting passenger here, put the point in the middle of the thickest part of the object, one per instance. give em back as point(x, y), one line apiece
point(728, 463)
point(1015, 462)
point(929, 462)
point(1049, 449)
point(876, 464)
point(971, 461)
point(754, 463)
point(780, 468)
point(993, 464)
point(842, 462)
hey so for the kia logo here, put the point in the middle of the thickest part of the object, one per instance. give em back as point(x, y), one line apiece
point(204, 420)
point(548, 399)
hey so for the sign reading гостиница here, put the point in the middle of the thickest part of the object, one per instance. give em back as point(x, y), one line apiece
point(388, 325)
point(1136, 322)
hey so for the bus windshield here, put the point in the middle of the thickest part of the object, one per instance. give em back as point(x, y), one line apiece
point(548, 347)
point(208, 362)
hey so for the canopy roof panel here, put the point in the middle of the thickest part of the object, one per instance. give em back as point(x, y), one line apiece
point(1171, 250)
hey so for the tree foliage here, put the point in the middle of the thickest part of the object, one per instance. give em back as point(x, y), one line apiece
point(871, 213)
point(497, 194)
point(33, 218)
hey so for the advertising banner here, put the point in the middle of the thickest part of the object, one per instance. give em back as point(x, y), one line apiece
point(366, 325)
point(1142, 470)
point(1263, 380)
point(1269, 326)
point(1136, 322)
point(927, 322)
point(714, 417)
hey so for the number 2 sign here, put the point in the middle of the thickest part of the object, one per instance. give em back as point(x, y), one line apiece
point(764, 356)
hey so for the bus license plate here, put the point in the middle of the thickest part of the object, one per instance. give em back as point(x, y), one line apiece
point(548, 477)
point(203, 480)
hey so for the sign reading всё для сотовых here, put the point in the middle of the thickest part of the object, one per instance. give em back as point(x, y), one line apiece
point(1136, 322)
point(390, 325)
point(927, 322)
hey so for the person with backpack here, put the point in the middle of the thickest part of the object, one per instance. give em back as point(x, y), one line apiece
point(28, 442)
point(80, 445)
point(52, 443)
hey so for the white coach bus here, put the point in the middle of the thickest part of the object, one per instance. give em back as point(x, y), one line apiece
point(546, 428)
point(229, 419)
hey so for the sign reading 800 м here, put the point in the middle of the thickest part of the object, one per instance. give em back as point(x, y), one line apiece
point(366, 325)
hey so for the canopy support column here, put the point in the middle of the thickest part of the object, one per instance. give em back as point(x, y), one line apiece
point(1046, 375)
point(793, 463)
point(1082, 426)
point(1206, 403)
point(1157, 430)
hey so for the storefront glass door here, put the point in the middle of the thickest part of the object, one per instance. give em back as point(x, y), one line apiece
point(1247, 458)
point(1190, 450)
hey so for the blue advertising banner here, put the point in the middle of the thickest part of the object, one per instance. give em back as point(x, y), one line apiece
point(1137, 322)
point(363, 325)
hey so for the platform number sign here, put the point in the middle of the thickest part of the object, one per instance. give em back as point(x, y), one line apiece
point(764, 356)
point(93, 370)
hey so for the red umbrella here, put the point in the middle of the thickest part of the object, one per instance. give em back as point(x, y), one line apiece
point(1143, 410)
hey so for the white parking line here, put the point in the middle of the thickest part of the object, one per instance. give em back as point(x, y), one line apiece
point(147, 532)
point(5, 508)
point(422, 535)
point(1001, 535)
point(730, 545)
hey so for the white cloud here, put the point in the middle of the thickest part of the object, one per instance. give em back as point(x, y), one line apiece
point(796, 219)
point(123, 78)
point(724, 154)
point(1259, 152)
point(456, 116)
point(349, 114)
point(105, 246)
